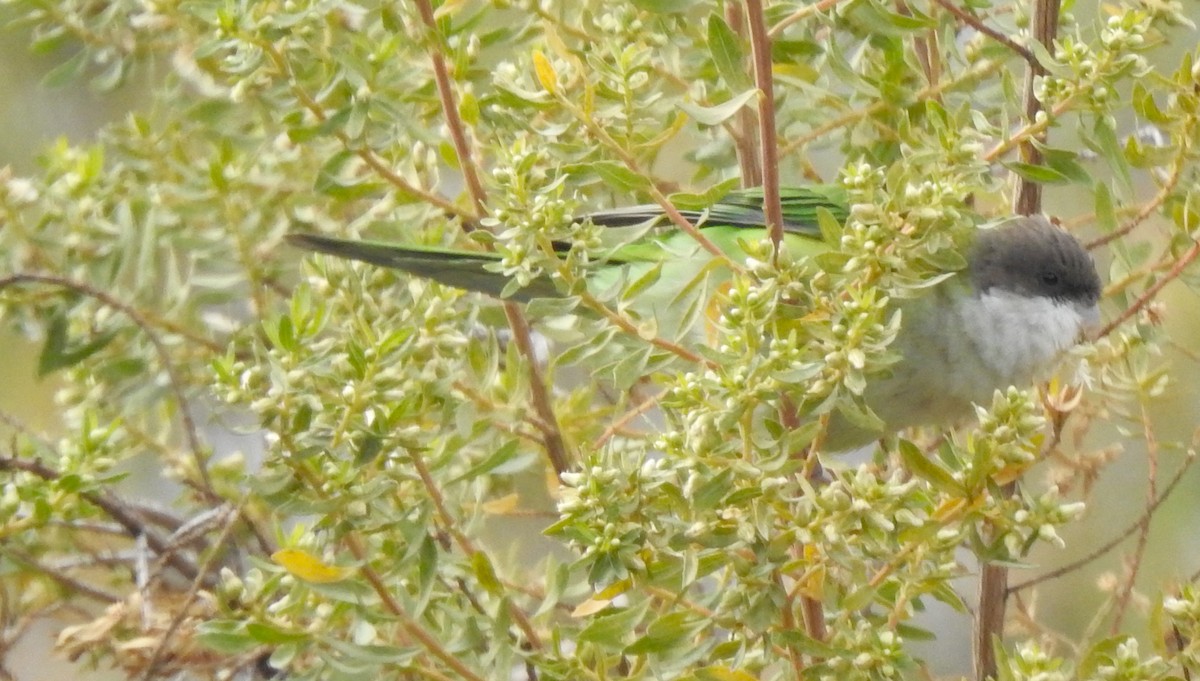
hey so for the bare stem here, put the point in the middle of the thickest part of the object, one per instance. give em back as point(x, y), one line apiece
point(993, 579)
point(1116, 540)
point(742, 128)
point(760, 45)
point(1149, 294)
point(115, 508)
point(976, 23)
point(1028, 199)
point(556, 449)
point(801, 14)
point(932, 91)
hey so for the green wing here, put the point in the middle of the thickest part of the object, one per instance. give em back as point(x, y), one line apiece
point(737, 216)
point(744, 209)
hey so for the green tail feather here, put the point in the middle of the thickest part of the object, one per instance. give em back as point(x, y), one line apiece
point(460, 269)
point(739, 215)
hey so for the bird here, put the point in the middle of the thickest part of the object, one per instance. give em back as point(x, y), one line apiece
point(1029, 292)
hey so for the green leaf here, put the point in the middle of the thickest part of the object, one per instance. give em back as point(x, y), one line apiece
point(726, 49)
point(273, 635)
point(615, 175)
point(503, 455)
point(664, 6)
point(228, 637)
point(1104, 141)
point(66, 72)
point(1106, 213)
point(611, 628)
point(485, 573)
point(1035, 173)
point(927, 468)
point(58, 352)
point(669, 631)
point(366, 448)
point(831, 229)
point(1145, 106)
point(706, 198)
point(644, 281)
point(715, 115)
point(1067, 164)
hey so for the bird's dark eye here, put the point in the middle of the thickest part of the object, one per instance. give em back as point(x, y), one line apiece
point(1050, 278)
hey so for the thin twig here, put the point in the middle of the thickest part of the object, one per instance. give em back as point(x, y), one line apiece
point(614, 427)
point(386, 597)
point(801, 14)
point(116, 509)
point(880, 105)
point(367, 155)
point(214, 558)
point(465, 544)
point(59, 576)
point(993, 579)
point(458, 132)
point(552, 438)
point(174, 380)
point(1116, 540)
point(623, 322)
point(1134, 562)
point(1149, 294)
point(976, 23)
point(1164, 192)
point(555, 445)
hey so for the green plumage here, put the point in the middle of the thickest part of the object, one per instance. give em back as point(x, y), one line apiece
point(735, 218)
point(1028, 292)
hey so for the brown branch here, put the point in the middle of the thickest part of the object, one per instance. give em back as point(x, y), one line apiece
point(993, 579)
point(181, 613)
point(1028, 199)
point(989, 621)
point(458, 132)
point(465, 544)
point(615, 426)
point(976, 23)
point(760, 45)
point(116, 509)
point(743, 131)
point(174, 380)
point(555, 446)
point(552, 438)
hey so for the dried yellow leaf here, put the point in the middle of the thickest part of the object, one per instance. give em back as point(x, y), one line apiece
point(309, 567)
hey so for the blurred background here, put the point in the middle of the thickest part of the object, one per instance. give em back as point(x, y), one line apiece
point(33, 115)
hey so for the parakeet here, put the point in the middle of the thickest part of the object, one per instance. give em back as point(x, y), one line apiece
point(1029, 292)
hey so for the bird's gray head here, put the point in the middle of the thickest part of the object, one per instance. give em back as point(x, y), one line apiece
point(1027, 256)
